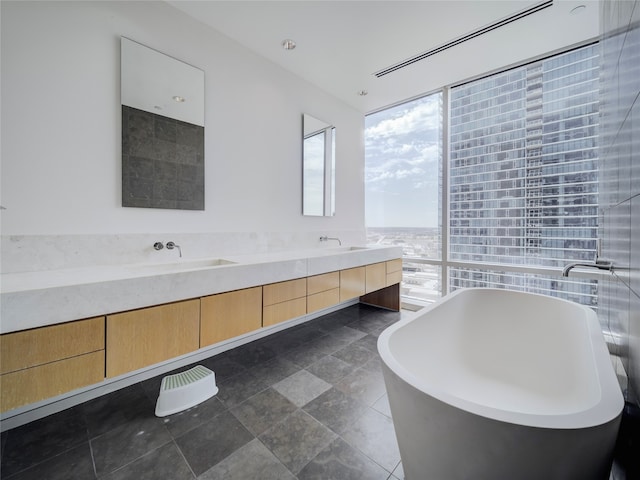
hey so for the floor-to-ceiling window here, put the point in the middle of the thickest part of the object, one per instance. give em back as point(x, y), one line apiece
point(403, 188)
point(520, 180)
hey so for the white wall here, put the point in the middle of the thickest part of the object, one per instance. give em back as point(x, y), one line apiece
point(60, 91)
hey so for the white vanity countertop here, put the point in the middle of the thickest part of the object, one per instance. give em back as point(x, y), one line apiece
point(35, 299)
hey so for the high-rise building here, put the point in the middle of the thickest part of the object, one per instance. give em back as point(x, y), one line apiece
point(523, 174)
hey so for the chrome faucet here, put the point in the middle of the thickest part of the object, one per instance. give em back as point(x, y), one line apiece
point(599, 264)
point(325, 239)
point(172, 245)
point(158, 246)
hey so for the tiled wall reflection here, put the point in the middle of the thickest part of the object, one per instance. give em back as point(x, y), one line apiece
point(162, 162)
point(619, 310)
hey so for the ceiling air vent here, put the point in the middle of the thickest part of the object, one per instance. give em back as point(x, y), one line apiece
point(476, 33)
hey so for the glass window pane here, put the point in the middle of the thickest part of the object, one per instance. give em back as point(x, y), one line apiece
point(403, 173)
point(523, 166)
point(421, 281)
point(523, 174)
point(403, 188)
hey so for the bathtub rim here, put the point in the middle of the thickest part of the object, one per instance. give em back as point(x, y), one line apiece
point(608, 408)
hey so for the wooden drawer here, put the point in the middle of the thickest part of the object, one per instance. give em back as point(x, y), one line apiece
point(394, 271)
point(283, 291)
point(30, 348)
point(279, 312)
point(352, 283)
point(393, 278)
point(322, 283)
point(394, 265)
point(321, 300)
point(376, 277)
point(38, 383)
point(230, 314)
point(147, 336)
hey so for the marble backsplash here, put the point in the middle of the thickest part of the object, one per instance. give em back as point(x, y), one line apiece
point(29, 253)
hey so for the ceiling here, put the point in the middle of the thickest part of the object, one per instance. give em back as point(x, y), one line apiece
point(341, 44)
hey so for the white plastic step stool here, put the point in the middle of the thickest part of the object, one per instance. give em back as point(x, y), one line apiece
point(185, 390)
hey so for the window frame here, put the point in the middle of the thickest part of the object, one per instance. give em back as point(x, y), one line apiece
point(444, 262)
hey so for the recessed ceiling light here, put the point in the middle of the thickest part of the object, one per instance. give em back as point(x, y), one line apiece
point(362, 93)
point(179, 99)
point(288, 44)
point(578, 9)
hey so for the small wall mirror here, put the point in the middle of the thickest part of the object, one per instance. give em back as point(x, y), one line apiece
point(162, 130)
point(318, 167)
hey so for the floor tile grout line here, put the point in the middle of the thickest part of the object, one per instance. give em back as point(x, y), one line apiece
point(276, 457)
point(320, 449)
point(15, 474)
point(124, 425)
point(174, 437)
point(230, 407)
point(134, 460)
point(93, 459)
point(184, 458)
point(230, 410)
point(367, 456)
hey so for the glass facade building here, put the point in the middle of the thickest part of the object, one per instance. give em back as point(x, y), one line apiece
point(523, 173)
point(522, 192)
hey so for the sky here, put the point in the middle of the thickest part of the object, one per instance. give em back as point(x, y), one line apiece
point(403, 146)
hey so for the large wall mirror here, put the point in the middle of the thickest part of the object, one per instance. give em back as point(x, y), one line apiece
point(162, 130)
point(318, 167)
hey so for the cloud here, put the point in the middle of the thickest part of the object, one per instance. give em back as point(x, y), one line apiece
point(403, 137)
point(415, 161)
point(403, 153)
point(422, 114)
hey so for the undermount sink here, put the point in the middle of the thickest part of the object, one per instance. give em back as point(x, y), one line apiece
point(344, 249)
point(322, 252)
point(179, 266)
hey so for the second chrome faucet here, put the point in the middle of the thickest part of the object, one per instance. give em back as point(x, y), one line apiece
point(172, 245)
point(324, 238)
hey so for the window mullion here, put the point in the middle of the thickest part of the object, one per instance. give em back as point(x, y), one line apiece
point(444, 197)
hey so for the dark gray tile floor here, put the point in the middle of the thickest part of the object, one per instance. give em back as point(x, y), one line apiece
point(305, 403)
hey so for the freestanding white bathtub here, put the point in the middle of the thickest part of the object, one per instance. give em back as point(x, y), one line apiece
point(494, 384)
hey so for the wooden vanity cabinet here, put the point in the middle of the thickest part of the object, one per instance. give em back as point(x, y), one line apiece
point(140, 338)
point(323, 291)
point(227, 315)
point(283, 301)
point(48, 361)
point(45, 362)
